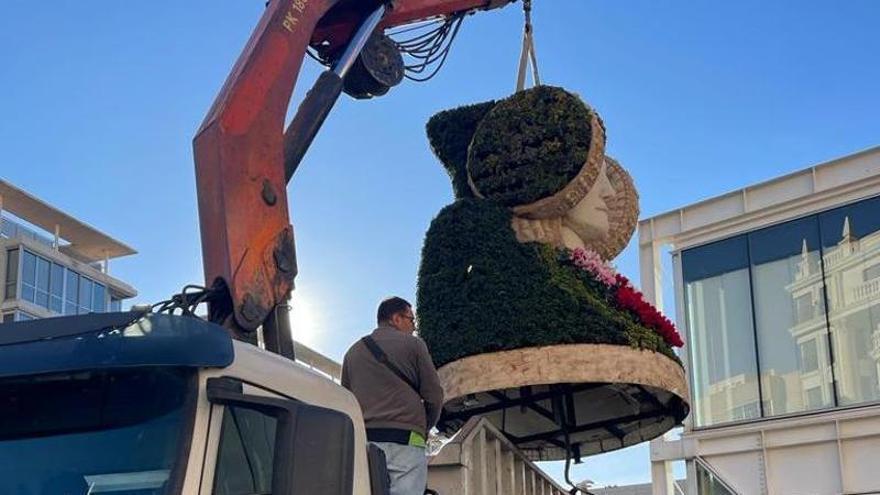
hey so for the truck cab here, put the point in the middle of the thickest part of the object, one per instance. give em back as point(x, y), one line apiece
point(141, 403)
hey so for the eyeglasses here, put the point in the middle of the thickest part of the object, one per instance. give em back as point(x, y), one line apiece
point(410, 318)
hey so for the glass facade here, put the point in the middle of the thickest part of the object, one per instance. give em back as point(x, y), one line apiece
point(786, 319)
point(722, 337)
point(789, 306)
point(56, 288)
point(53, 286)
point(70, 295)
point(851, 246)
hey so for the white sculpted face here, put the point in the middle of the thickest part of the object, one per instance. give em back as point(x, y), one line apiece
point(588, 220)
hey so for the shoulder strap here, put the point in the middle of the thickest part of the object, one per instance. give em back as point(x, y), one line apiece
point(380, 356)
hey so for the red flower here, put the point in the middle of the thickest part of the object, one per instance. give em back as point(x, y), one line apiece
point(630, 299)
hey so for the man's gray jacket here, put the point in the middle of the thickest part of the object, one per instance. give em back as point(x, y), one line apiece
point(386, 400)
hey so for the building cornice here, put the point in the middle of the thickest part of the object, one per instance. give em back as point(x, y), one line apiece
point(827, 185)
point(85, 241)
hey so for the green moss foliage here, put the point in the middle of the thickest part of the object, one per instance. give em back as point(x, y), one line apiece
point(530, 145)
point(450, 133)
point(480, 291)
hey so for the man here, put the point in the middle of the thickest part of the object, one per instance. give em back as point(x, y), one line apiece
point(392, 375)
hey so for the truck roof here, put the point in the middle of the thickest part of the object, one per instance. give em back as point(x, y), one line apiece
point(111, 340)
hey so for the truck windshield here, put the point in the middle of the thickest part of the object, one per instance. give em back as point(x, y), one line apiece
point(93, 432)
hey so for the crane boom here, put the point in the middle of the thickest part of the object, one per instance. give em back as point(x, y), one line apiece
point(247, 239)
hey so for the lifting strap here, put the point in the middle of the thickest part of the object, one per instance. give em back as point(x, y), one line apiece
point(528, 51)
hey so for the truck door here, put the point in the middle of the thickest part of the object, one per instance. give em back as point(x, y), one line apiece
point(260, 443)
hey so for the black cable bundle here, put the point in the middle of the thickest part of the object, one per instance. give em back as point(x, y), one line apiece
point(429, 47)
point(187, 301)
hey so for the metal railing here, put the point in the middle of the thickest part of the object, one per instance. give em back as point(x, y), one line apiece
point(480, 460)
point(11, 229)
point(867, 290)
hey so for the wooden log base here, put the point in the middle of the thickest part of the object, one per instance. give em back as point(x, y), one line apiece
point(584, 399)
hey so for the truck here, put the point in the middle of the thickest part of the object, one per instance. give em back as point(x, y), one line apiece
point(161, 401)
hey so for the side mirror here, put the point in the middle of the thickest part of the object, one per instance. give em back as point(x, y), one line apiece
point(313, 449)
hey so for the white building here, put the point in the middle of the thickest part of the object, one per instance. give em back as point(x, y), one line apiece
point(53, 264)
point(778, 296)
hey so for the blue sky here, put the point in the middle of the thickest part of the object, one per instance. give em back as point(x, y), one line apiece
point(101, 99)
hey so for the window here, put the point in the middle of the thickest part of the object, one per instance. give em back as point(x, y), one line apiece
point(70, 297)
point(35, 273)
point(769, 311)
point(851, 249)
point(805, 308)
point(120, 431)
point(8, 317)
point(11, 273)
point(115, 304)
point(719, 315)
point(315, 445)
point(246, 454)
point(809, 356)
point(28, 276)
point(85, 295)
point(99, 298)
point(785, 275)
point(56, 289)
point(52, 286)
point(44, 267)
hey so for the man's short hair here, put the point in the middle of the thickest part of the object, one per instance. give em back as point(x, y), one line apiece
point(390, 307)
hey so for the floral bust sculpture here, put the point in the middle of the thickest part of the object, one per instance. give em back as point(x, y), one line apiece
point(540, 211)
point(521, 259)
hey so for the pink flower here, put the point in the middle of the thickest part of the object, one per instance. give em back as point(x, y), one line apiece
point(626, 296)
point(589, 261)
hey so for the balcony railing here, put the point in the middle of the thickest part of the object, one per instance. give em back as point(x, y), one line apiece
point(867, 291)
point(833, 258)
point(11, 229)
